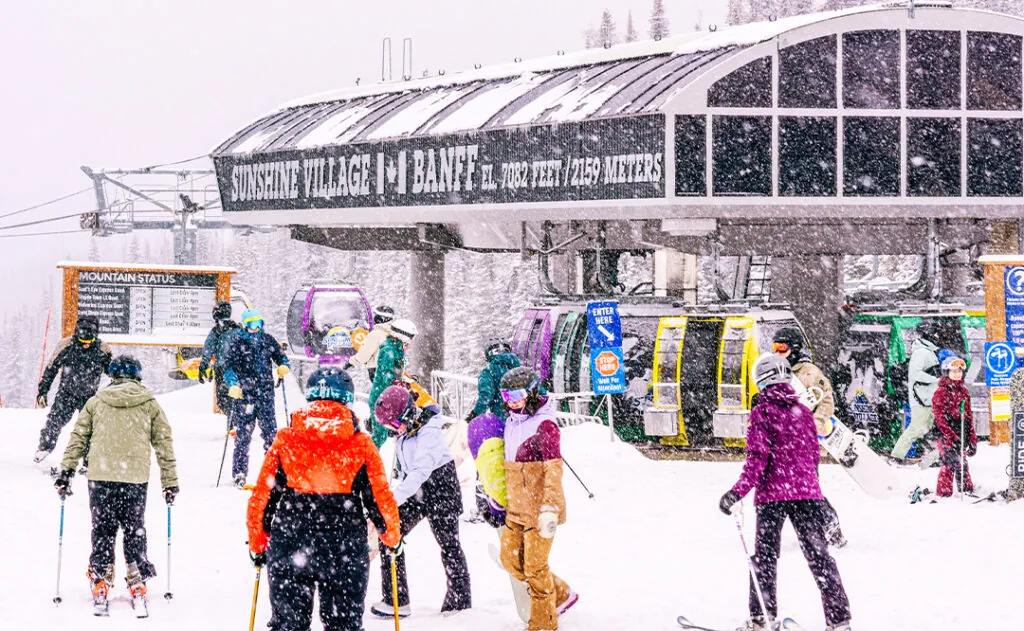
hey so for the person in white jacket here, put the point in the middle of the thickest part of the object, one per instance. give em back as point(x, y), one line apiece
point(922, 379)
point(367, 353)
point(425, 485)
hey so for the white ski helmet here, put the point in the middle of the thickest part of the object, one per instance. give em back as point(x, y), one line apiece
point(770, 369)
point(403, 329)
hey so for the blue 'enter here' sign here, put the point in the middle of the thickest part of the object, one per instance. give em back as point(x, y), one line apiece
point(603, 325)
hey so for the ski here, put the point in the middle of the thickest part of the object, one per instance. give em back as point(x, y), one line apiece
point(792, 625)
point(100, 607)
point(685, 623)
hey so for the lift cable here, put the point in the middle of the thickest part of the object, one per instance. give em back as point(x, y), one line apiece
point(52, 201)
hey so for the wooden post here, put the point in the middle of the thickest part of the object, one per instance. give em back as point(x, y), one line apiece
point(995, 324)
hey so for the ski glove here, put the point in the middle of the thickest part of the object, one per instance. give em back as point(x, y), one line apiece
point(41, 400)
point(202, 376)
point(398, 550)
point(235, 392)
point(547, 523)
point(728, 500)
point(258, 559)
point(63, 482)
point(972, 450)
point(283, 370)
point(170, 493)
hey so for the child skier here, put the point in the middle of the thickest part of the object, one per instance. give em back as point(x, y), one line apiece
point(213, 350)
point(118, 427)
point(306, 516)
point(426, 485)
point(249, 373)
point(782, 459)
point(536, 502)
point(390, 368)
point(951, 406)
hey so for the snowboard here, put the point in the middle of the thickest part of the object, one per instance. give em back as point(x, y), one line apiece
point(519, 588)
point(869, 470)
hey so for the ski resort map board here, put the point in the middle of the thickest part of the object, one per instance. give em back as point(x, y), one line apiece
point(144, 305)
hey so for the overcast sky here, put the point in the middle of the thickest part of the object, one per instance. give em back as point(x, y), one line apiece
point(129, 84)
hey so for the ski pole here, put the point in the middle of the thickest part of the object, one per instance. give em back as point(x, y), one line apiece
point(963, 456)
point(227, 434)
point(60, 551)
point(284, 401)
point(255, 594)
point(394, 587)
point(168, 595)
point(589, 494)
point(753, 570)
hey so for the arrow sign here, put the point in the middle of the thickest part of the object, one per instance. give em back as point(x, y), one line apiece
point(604, 328)
point(606, 332)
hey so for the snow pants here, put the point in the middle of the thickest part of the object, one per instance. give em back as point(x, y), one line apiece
point(64, 406)
point(445, 529)
point(921, 422)
point(805, 516)
point(524, 553)
point(950, 455)
point(119, 505)
point(337, 564)
point(246, 415)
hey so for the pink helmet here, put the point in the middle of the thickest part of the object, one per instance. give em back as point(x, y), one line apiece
point(394, 406)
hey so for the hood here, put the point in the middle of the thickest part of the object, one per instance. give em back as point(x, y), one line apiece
point(781, 394)
point(125, 393)
point(328, 419)
point(505, 361)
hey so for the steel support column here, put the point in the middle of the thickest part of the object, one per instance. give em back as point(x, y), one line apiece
point(812, 285)
point(426, 310)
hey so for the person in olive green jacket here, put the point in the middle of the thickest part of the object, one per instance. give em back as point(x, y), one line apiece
point(118, 428)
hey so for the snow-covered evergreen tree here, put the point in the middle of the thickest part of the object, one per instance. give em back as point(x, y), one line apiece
point(630, 29)
point(658, 24)
point(607, 35)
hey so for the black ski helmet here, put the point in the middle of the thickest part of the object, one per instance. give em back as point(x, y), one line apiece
point(496, 346)
point(520, 382)
point(87, 327)
point(383, 314)
point(125, 367)
point(331, 384)
point(931, 330)
point(222, 311)
point(791, 337)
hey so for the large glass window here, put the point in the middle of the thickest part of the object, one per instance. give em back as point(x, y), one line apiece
point(933, 70)
point(749, 86)
point(807, 74)
point(993, 71)
point(994, 157)
point(933, 157)
point(871, 156)
point(691, 155)
point(871, 69)
point(741, 153)
point(807, 156)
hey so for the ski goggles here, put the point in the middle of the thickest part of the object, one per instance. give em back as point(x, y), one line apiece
point(780, 347)
point(86, 339)
point(254, 325)
point(956, 364)
point(514, 396)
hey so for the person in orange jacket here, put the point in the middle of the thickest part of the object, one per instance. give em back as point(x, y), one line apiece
point(307, 517)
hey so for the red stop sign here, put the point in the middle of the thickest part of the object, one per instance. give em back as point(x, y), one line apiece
point(607, 363)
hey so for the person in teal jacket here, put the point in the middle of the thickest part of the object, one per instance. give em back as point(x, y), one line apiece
point(390, 367)
point(500, 360)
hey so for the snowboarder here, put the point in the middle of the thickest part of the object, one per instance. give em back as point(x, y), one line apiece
point(782, 460)
point(426, 485)
point(368, 350)
point(951, 407)
point(249, 374)
point(81, 360)
point(536, 502)
point(213, 349)
point(788, 343)
point(922, 379)
point(306, 517)
point(390, 368)
point(500, 360)
point(118, 428)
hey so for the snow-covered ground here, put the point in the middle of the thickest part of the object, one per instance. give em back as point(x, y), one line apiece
point(651, 545)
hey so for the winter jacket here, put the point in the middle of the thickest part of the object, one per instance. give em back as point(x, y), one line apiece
point(390, 365)
point(249, 362)
point(923, 375)
point(486, 438)
point(216, 344)
point(421, 456)
point(80, 368)
point(367, 353)
point(782, 449)
point(488, 387)
point(812, 377)
point(318, 477)
point(117, 428)
point(533, 466)
point(950, 397)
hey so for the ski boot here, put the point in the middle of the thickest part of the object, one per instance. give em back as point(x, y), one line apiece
point(140, 599)
point(834, 535)
point(239, 481)
point(758, 624)
point(100, 590)
point(842, 626)
point(385, 610)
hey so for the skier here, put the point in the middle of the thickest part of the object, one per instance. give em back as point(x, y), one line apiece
point(500, 360)
point(922, 380)
point(390, 368)
point(367, 353)
point(213, 349)
point(81, 360)
point(249, 374)
point(536, 502)
point(788, 343)
point(426, 485)
point(118, 428)
point(951, 407)
point(782, 460)
point(306, 516)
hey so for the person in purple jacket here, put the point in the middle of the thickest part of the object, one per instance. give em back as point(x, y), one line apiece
point(781, 467)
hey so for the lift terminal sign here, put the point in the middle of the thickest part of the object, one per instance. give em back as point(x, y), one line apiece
point(604, 328)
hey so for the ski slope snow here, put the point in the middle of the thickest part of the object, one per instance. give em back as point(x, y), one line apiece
point(650, 546)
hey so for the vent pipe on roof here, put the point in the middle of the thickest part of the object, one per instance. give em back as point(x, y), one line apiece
point(407, 52)
point(386, 67)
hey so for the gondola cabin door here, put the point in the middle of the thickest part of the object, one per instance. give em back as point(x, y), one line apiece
point(664, 417)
